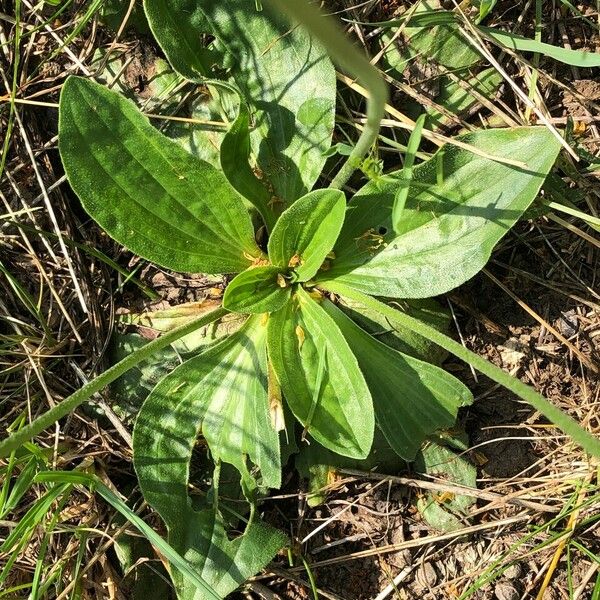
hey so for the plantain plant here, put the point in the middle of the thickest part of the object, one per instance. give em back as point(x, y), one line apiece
point(317, 274)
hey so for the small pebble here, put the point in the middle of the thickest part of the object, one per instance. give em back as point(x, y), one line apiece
point(568, 324)
point(505, 591)
point(426, 576)
point(513, 572)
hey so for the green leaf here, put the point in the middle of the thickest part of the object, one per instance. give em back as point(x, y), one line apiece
point(439, 42)
point(412, 398)
point(257, 290)
point(306, 232)
point(460, 206)
point(113, 12)
point(484, 6)
point(586, 440)
point(129, 391)
point(320, 377)
point(145, 190)
point(223, 394)
point(440, 463)
point(284, 75)
point(224, 564)
point(235, 154)
point(177, 26)
point(199, 109)
point(395, 335)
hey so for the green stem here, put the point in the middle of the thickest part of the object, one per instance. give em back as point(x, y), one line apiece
point(586, 440)
point(13, 91)
point(349, 58)
point(69, 404)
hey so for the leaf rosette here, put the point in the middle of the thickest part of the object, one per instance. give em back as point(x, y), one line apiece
point(313, 347)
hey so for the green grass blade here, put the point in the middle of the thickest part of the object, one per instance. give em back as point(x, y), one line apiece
point(33, 516)
point(576, 58)
point(20, 487)
point(94, 483)
point(587, 441)
point(18, 438)
point(407, 172)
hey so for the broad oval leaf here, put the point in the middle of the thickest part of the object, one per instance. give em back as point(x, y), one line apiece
point(223, 563)
point(257, 290)
point(441, 44)
point(306, 232)
point(412, 398)
point(284, 75)
point(185, 48)
point(459, 207)
point(320, 377)
point(145, 190)
point(221, 393)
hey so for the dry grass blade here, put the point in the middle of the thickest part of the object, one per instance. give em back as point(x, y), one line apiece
point(582, 357)
point(405, 122)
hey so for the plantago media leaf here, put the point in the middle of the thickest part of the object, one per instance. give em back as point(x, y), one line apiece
point(306, 232)
point(459, 207)
point(412, 398)
point(222, 393)
point(394, 334)
point(257, 290)
point(223, 563)
point(585, 439)
point(234, 156)
point(439, 462)
point(442, 43)
point(184, 46)
point(320, 377)
point(284, 75)
point(145, 190)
